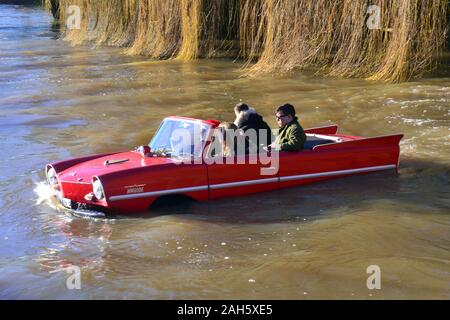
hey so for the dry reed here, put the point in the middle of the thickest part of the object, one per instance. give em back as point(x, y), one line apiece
point(274, 36)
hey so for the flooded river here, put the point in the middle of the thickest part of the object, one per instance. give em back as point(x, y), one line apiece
point(315, 241)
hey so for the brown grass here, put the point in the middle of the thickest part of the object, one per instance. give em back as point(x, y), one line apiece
point(275, 36)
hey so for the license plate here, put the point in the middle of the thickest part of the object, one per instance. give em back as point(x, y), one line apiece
point(64, 201)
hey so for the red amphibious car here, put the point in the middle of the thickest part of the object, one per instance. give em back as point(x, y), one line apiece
point(132, 181)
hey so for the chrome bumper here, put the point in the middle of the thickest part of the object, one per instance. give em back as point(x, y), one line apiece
point(78, 209)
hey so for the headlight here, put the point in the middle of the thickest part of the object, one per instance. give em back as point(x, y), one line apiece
point(51, 176)
point(98, 189)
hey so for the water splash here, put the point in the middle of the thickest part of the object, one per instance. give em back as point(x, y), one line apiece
point(44, 193)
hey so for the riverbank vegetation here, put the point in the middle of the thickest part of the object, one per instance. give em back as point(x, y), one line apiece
point(275, 36)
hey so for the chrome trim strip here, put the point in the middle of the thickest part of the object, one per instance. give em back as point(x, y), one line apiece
point(156, 193)
point(249, 182)
point(242, 183)
point(108, 162)
point(336, 173)
point(324, 126)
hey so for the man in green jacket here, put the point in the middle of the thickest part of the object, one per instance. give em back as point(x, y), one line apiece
point(291, 136)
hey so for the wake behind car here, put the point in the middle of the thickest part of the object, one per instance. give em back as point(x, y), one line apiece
point(179, 163)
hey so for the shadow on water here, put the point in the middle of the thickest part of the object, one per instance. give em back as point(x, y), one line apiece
point(54, 31)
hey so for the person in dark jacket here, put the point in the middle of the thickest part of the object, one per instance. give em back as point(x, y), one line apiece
point(247, 118)
point(291, 136)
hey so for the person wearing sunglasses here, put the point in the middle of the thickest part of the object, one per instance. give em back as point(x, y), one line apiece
point(291, 136)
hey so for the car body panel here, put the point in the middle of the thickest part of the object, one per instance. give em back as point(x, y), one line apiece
point(243, 177)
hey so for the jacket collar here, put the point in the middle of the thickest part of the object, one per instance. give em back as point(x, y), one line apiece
point(243, 116)
point(295, 120)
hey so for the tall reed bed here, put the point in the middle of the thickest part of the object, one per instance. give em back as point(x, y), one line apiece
point(274, 36)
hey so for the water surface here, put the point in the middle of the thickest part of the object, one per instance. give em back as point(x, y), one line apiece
point(316, 241)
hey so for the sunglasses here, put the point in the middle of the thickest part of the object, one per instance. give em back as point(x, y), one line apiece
point(279, 117)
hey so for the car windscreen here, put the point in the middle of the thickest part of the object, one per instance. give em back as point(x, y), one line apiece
point(179, 137)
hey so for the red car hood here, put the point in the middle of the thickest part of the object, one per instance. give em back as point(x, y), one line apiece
point(83, 172)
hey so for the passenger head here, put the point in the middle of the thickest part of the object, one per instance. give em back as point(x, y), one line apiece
point(228, 137)
point(227, 129)
point(240, 107)
point(285, 114)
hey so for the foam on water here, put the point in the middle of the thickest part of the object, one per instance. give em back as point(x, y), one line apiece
point(417, 122)
point(44, 193)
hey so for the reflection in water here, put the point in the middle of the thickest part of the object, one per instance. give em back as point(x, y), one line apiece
point(75, 232)
point(315, 241)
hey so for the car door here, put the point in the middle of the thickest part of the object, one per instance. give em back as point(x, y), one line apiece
point(306, 166)
point(240, 175)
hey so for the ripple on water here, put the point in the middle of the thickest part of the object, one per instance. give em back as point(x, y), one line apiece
point(318, 239)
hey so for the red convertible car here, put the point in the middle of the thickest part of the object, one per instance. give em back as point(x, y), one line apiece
point(132, 181)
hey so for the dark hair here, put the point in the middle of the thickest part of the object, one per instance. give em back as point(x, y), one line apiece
point(287, 109)
point(241, 107)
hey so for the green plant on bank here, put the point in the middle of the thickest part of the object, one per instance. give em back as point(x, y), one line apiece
point(274, 36)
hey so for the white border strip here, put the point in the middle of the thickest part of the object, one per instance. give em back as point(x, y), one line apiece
point(336, 173)
point(157, 193)
point(250, 182)
point(242, 183)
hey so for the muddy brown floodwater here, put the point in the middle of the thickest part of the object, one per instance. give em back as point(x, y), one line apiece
point(315, 241)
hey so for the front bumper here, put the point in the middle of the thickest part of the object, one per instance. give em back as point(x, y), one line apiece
point(81, 209)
